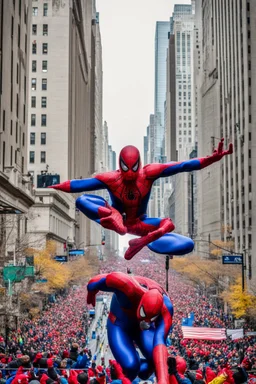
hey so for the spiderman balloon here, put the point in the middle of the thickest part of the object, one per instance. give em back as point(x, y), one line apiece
point(129, 188)
point(141, 312)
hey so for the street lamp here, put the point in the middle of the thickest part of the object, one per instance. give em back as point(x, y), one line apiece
point(167, 266)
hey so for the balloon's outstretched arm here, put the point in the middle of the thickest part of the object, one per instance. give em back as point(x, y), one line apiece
point(154, 171)
point(79, 185)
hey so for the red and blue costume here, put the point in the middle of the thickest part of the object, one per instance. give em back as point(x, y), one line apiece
point(141, 312)
point(129, 188)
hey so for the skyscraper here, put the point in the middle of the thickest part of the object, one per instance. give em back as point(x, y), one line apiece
point(15, 183)
point(228, 202)
point(161, 45)
point(65, 93)
point(179, 106)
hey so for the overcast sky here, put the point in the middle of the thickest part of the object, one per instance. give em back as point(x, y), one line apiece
point(128, 37)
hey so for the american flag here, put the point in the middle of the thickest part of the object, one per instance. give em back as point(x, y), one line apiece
point(204, 333)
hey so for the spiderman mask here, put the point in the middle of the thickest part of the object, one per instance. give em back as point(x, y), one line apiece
point(129, 162)
point(149, 308)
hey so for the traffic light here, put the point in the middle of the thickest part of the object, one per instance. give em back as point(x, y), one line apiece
point(103, 242)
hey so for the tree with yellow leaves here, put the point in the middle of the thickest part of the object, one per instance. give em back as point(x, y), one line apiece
point(241, 302)
point(218, 246)
point(83, 268)
point(204, 272)
point(56, 274)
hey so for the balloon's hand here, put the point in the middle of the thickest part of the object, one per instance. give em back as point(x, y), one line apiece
point(219, 152)
point(91, 297)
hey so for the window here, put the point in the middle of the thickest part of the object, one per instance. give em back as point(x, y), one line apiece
point(33, 119)
point(32, 138)
point(19, 36)
point(43, 138)
point(16, 134)
point(35, 11)
point(17, 105)
point(34, 48)
point(31, 157)
point(33, 102)
point(33, 65)
point(3, 120)
point(43, 120)
point(44, 65)
point(44, 102)
point(44, 84)
point(11, 154)
point(45, 29)
point(34, 29)
point(12, 27)
point(45, 11)
point(45, 48)
point(33, 84)
point(43, 156)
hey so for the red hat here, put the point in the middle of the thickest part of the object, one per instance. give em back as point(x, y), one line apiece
point(199, 374)
point(65, 354)
point(38, 357)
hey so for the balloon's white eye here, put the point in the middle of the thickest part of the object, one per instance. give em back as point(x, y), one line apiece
point(154, 318)
point(135, 167)
point(124, 166)
point(142, 312)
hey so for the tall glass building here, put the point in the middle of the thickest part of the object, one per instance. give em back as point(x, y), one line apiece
point(161, 45)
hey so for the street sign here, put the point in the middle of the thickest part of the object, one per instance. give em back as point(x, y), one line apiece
point(74, 252)
point(17, 273)
point(61, 259)
point(232, 259)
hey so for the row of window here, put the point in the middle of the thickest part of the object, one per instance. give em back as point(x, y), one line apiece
point(184, 132)
point(44, 30)
point(184, 86)
point(34, 84)
point(184, 117)
point(33, 138)
point(43, 120)
point(43, 102)
point(184, 125)
point(185, 104)
point(45, 10)
point(44, 48)
point(32, 157)
point(185, 94)
point(184, 140)
point(18, 132)
point(44, 66)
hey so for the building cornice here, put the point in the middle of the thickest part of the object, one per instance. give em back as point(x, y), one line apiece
point(14, 191)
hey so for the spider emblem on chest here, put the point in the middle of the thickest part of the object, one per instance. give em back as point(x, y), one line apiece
point(131, 194)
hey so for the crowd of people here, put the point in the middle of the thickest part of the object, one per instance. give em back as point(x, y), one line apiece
point(55, 347)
